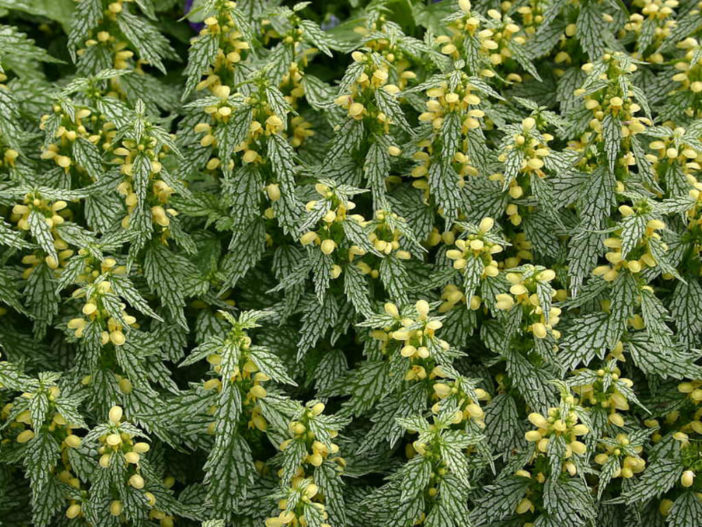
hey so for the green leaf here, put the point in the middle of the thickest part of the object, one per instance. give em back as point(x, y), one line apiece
point(61, 11)
point(389, 105)
point(589, 338)
point(653, 359)
point(376, 168)
point(162, 275)
point(356, 289)
point(567, 499)
point(472, 274)
point(367, 385)
point(501, 422)
point(230, 470)
point(313, 34)
point(281, 156)
point(687, 510)
point(270, 365)
point(328, 480)
point(612, 135)
point(247, 246)
point(316, 320)
point(499, 501)
point(395, 278)
point(202, 53)
point(18, 53)
point(151, 45)
point(11, 238)
point(42, 233)
point(686, 310)
point(533, 383)
point(87, 15)
point(417, 474)
point(657, 479)
point(41, 298)
point(523, 57)
point(590, 28)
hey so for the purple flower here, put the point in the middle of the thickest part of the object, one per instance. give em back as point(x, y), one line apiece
point(197, 26)
point(330, 23)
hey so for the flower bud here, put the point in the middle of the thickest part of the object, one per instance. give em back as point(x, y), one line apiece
point(136, 481)
point(328, 246)
point(116, 508)
point(115, 414)
point(687, 479)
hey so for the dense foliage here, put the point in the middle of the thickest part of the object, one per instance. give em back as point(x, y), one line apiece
point(350, 264)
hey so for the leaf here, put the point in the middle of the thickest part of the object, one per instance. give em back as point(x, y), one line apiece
point(612, 135)
point(88, 157)
point(246, 249)
point(151, 45)
point(345, 141)
point(609, 469)
point(61, 11)
point(356, 289)
point(501, 422)
point(472, 274)
point(40, 458)
point(122, 286)
point(11, 238)
point(270, 365)
point(38, 408)
point(533, 383)
point(42, 233)
point(522, 56)
point(19, 53)
point(278, 63)
point(234, 132)
point(653, 359)
point(367, 385)
point(162, 275)
point(406, 513)
point(686, 310)
point(500, 500)
point(41, 298)
point(657, 479)
point(281, 156)
point(417, 474)
point(313, 34)
point(450, 136)
point(318, 94)
point(230, 470)
point(453, 443)
point(394, 277)
point(316, 320)
point(589, 338)
point(9, 291)
point(293, 455)
point(633, 229)
point(376, 168)
point(567, 499)
point(584, 248)
point(546, 36)
point(590, 28)
point(328, 480)
point(687, 510)
point(389, 105)
point(277, 102)
point(443, 183)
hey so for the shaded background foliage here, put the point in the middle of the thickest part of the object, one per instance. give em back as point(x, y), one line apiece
point(350, 263)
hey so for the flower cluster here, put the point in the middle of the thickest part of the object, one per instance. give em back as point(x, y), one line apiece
point(351, 263)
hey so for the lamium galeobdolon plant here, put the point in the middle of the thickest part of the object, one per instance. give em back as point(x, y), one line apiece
point(350, 263)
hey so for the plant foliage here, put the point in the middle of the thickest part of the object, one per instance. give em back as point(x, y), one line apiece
point(351, 263)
